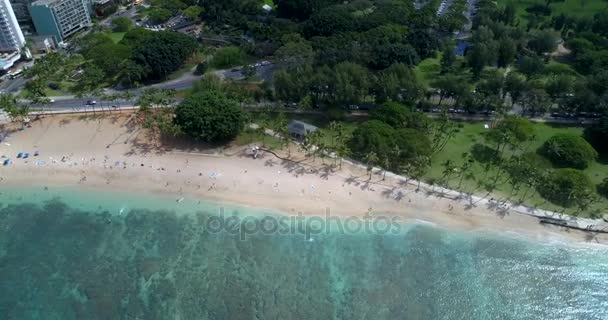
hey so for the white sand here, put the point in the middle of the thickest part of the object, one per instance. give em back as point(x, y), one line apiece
point(109, 153)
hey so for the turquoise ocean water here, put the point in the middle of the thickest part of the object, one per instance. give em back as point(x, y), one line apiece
point(67, 254)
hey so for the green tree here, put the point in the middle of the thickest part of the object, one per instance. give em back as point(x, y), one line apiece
point(567, 188)
point(400, 116)
point(448, 58)
point(531, 66)
point(351, 83)
point(159, 15)
point(10, 105)
point(201, 68)
point(193, 13)
point(121, 24)
point(534, 101)
point(209, 116)
point(371, 158)
point(568, 150)
point(228, 57)
point(542, 42)
point(506, 52)
point(515, 85)
point(373, 136)
point(161, 52)
point(602, 188)
point(295, 51)
point(510, 131)
point(398, 83)
point(597, 133)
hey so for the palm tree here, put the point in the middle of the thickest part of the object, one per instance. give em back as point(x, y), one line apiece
point(448, 169)
point(371, 158)
point(342, 151)
point(280, 128)
point(466, 166)
point(333, 128)
point(315, 140)
point(8, 103)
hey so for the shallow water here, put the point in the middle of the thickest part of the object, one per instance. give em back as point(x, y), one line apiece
point(67, 254)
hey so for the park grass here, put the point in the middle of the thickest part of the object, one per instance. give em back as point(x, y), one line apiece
point(471, 133)
point(116, 36)
point(428, 70)
point(252, 136)
point(578, 8)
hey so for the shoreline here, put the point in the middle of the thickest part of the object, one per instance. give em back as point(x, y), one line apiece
point(110, 153)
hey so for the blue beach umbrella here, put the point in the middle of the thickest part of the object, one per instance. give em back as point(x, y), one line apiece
point(26, 155)
point(6, 161)
point(20, 154)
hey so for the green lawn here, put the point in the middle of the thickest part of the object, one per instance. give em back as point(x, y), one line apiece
point(117, 36)
point(468, 135)
point(471, 133)
point(568, 7)
point(428, 70)
point(251, 136)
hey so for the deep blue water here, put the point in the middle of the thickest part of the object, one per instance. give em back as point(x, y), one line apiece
point(77, 255)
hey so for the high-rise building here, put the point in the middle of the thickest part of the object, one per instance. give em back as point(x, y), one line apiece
point(11, 37)
point(59, 18)
point(20, 7)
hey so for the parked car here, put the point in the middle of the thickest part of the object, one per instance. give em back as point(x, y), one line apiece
point(91, 102)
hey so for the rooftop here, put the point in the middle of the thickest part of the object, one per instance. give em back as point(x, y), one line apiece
point(300, 128)
point(44, 2)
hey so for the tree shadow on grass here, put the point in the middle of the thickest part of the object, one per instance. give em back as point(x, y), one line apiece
point(484, 154)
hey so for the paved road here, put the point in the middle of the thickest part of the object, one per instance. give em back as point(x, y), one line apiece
point(262, 72)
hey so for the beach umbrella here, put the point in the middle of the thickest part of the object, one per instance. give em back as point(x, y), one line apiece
point(26, 155)
point(6, 161)
point(20, 154)
point(36, 153)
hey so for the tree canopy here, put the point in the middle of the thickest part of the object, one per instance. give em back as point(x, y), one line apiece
point(209, 116)
point(567, 188)
point(568, 150)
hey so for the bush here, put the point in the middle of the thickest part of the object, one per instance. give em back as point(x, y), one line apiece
point(398, 116)
point(228, 57)
point(596, 135)
point(569, 151)
point(335, 114)
point(201, 68)
point(539, 10)
point(602, 188)
point(210, 116)
point(567, 188)
point(54, 85)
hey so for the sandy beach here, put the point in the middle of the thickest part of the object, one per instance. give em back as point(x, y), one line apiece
point(112, 152)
